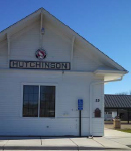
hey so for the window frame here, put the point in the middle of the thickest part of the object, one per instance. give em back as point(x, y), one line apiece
point(39, 84)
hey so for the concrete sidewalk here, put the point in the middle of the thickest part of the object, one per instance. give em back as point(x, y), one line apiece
point(111, 141)
point(118, 136)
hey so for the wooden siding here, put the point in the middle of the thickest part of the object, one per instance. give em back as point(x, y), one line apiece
point(70, 87)
point(24, 44)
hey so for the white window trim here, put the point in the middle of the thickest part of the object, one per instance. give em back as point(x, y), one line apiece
point(39, 84)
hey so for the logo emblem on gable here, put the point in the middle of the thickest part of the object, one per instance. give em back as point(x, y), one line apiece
point(40, 54)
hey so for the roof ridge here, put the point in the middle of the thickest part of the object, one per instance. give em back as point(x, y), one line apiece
point(21, 19)
point(41, 8)
point(87, 41)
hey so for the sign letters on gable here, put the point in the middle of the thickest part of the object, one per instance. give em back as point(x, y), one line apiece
point(39, 65)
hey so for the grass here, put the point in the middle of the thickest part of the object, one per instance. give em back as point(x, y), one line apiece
point(125, 130)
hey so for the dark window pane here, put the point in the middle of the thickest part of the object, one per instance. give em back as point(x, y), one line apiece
point(47, 101)
point(36, 90)
point(30, 101)
point(26, 89)
point(25, 96)
point(35, 97)
point(30, 97)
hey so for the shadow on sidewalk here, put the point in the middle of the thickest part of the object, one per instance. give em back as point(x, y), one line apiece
point(55, 148)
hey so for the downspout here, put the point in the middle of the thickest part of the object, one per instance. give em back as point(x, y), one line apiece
point(90, 100)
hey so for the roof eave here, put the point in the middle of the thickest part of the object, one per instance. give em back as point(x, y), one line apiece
point(110, 71)
point(80, 38)
point(20, 22)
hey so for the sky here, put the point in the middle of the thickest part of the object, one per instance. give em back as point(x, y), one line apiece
point(104, 23)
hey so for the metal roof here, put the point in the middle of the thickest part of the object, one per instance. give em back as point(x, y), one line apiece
point(117, 101)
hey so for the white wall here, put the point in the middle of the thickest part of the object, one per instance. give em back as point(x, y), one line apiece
point(3, 55)
point(69, 88)
point(24, 44)
point(70, 85)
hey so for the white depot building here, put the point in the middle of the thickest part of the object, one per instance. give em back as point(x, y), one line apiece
point(52, 80)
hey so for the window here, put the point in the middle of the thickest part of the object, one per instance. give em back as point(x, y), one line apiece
point(30, 101)
point(47, 101)
point(38, 101)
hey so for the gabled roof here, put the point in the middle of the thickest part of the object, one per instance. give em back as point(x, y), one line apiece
point(84, 42)
point(117, 101)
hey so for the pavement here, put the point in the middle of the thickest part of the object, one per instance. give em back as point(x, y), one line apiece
point(113, 140)
point(118, 136)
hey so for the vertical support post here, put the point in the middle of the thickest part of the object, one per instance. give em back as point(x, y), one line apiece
point(41, 18)
point(80, 107)
point(128, 115)
point(117, 112)
point(80, 123)
point(41, 25)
